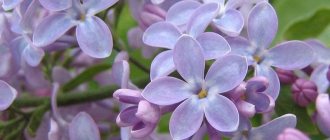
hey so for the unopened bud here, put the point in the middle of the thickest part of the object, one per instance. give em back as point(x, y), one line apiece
point(286, 76)
point(151, 14)
point(292, 134)
point(304, 92)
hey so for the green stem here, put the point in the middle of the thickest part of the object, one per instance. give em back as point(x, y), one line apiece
point(68, 99)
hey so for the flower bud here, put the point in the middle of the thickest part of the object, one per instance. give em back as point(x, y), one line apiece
point(150, 15)
point(323, 113)
point(292, 134)
point(286, 76)
point(304, 92)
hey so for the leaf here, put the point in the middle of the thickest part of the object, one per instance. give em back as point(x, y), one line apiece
point(36, 118)
point(125, 22)
point(285, 105)
point(163, 123)
point(310, 27)
point(85, 76)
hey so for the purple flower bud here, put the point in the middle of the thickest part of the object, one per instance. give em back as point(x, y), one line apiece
point(286, 76)
point(304, 92)
point(323, 112)
point(292, 134)
point(150, 15)
point(328, 74)
point(308, 70)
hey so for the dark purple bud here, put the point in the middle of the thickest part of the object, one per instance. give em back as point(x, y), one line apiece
point(304, 92)
point(286, 76)
point(292, 134)
point(151, 14)
point(257, 84)
point(308, 70)
point(328, 74)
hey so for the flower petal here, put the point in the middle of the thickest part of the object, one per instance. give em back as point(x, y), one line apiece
point(8, 95)
point(61, 75)
point(273, 128)
point(162, 65)
point(230, 23)
point(142, 130)
point(57, 5)
point(148, 112)
point(127, 117)
point(94, 38)
point(10, 4)
point(241, 46)
point(52, 28)
point(201, 18)
point(226, 73)
point(189, 60)
point(290, 55)
point(166, 91)
point(83, 127)
point(180, 13)
point(33, 55)
point(262, 25)
point(128, 96)
point(320, 79)
point(186, 119)
point(221, 113)
point(120, 73)
point(95, 6)
point(323, 53)
point(161, 34)
point(274, 83)
point(213, 45)
point(322, 107)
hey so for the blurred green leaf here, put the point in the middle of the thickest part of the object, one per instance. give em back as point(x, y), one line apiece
point(163, 123)
point(125, 22)
point(285, 104)
point(310, 27)
point(36, 118)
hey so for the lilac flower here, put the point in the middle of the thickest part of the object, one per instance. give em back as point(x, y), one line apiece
point(200, 95)
point(268, 131)
point(304, 92)
point(292, 134)
point(10, 4)
point(319, 75)
point(93, 35)
point(286, 76)
point(56, 5)
point(262, 27)
point(323, 112)
point(228, 20)
point(190, 21)
point(8, 95)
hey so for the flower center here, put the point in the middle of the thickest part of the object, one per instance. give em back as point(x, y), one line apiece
point(257, 58)
point(202, 94)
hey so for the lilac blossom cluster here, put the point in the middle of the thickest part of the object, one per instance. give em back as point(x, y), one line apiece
point(214, 69)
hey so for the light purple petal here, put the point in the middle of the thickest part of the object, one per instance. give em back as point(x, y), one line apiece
point(201, 18)
point(290, 55)
point(128, 96)
point(57, 5)
point(148, 112)
point(52, 28)
point(320, 79)
point(189, 65)
point(323, 53)
point(186, 119)
point(262, 25)
point(272, 129)
point(127, 117)
point(213, 45)
point(274, 83)
point(246, 109)
point(162, 65)
point(262, 102)
point(134, 37)
point(241, 46)
point(230, 23)
point(322, 107)
point(54, 131)
point(95, 6)
point(181, 12)
point(94, 37)
point(7, 95)
point(161, 34)
point(33, 55)
point(166, 91)
point(221, 113)
point(142, 130)
point(120, 73)
point(10, 4)
point(226, 73)
point(83, 127)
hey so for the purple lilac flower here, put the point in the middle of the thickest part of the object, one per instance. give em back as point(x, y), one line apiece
point(262, 27)
point(10, 4)
point(292, 134)
point(93, 35)
point(286, 76)
point(304, 92)
point(8, 95)
point(200, 95)
point(184, 19)
point(323, 112)
point(268, 131)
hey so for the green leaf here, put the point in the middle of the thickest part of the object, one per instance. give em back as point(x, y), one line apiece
point(285, 105)
point(163, 123)
point(85, 76)
point(125, 22)
point(310, 27)
point(36, 118)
